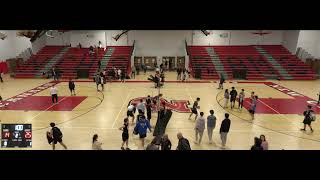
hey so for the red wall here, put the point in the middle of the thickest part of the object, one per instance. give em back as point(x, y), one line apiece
point(3, 67)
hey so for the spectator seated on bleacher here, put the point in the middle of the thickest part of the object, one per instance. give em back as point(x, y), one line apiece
point(91, 50)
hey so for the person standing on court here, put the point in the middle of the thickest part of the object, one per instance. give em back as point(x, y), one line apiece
point(221, 81)
point(199, 128)
point(141, 128)
point(233, 97)
point(194, 109)
point(264, 142)
point(165, 142)
point(178, 74)
point(125, 134)
point(96, 145)
point(309, 116)
point(224, 129)
point(56, 136)
point(252, 96)
point(226, 98)
point(141, 106)
point(54, 94)
point(144, 69)
point(183, 143)
point(72, 87)
point(148, 107)
point(257, 144)
point(130, 112)
point(253, 106)
point(133, 72)
point(241, 99)
point(102, 82)
point(211, 124)
point(123, 76)
point(97, 80)
point(54, 74)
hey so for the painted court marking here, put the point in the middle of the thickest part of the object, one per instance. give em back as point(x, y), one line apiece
point(123, 105)
point(45, 110)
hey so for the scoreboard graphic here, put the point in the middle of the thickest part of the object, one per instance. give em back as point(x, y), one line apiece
point(16, 135)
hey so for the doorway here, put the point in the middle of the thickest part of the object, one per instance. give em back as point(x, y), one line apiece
point(169, 62)
point(181, 62)
point(150, 62)
point(137, 61)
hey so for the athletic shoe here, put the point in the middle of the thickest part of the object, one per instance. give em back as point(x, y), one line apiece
point(302, 129)
point(122, 148)
point(128, 148)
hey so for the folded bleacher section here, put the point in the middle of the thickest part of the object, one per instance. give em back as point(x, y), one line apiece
point(68, 60)
point(296, 68)
point(201, 61)
point(78, 59)
point(211, 61)
point(120, 58)
point(37, 62)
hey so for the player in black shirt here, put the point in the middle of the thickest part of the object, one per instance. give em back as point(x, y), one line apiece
point(56, 136)
point(194, 108)
point(125, 133)
point(233, 97)
point(148, 107)
point(72, 87)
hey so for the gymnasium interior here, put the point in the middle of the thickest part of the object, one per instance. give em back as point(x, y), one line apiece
point(281, 66)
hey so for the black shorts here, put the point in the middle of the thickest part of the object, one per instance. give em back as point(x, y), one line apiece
point(233, 100)
point(71, 89)
point(125, 136)
point(194, 111)
point(56, 140)
point(130, 113)
point(251, 111)
point(307, 121)
point(142, 136)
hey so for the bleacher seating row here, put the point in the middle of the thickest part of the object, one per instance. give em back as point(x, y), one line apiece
point(248, 58)
point(74, 59)
point(78, 59)
point(121, 58)
point(37, 62)
point(293, 65)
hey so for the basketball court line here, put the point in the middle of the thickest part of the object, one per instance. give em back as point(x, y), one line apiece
point(73, 118)
point(45, 110)
point(252, 122)
point(123, 105)
point(188, 92)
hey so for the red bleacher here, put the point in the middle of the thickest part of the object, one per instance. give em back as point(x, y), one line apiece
point(247, 57)
point(200, 60)
point(75, 59)
point(244, 57)
point(291, 63)
point(120, 58)
point(36, 62)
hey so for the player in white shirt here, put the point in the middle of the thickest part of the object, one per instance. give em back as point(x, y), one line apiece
point(130, 112)
point(54, 94)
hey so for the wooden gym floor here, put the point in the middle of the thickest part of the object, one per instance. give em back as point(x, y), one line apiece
point(278, 113)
